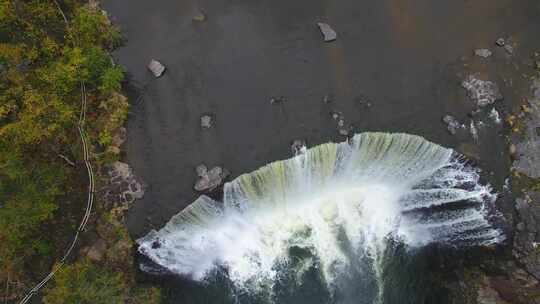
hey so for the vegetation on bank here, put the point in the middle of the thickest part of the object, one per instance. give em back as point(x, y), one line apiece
point(86, 283)
point(48, 51)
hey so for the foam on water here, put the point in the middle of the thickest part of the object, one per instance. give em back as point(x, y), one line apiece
point(360, 193)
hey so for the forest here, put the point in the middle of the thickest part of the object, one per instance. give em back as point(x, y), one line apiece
point(51, 54)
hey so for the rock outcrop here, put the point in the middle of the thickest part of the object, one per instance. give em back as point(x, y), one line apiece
point(526, 247)
point(209, 180)
point(527, 236)
point(327, 31)
point(528, 149)
point(482, 92)
point(123, 187)
point(156, 68)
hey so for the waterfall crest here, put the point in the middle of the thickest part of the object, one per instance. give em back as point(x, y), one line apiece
point(340, 202)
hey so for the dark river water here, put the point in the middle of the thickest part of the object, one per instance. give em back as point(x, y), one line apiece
point(406, 57)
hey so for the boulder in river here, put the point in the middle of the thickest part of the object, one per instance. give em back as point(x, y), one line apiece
point(336, 115)
point(277, 100)
point(206, 122)
point(209, 180)
point(327, 31)
point(452, 124)
point(156, 68)
point(500, 42)
point(495, 116)
point(327, 98)
point(509, 49)
point(482, 92)
point(298, 146)
point(484, 53)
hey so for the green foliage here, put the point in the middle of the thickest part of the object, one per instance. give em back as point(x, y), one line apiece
point(534, 184)
point(86, 283)
point(29, 21)
point(62, 76)
point(39, 117)
point(150, 295)
point(43, 62)
point(29, 198)
point(90, 28)
point(111, 80)
point(115, 111)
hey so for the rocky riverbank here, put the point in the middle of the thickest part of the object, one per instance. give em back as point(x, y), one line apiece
point(512, 276)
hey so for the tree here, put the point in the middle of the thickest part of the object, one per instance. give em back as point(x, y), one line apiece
point(86, 283)
point(43, 61)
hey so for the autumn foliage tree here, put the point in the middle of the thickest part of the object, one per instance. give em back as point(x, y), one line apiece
point(43, 62)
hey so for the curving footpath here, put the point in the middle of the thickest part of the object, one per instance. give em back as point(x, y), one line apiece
point(89, 203)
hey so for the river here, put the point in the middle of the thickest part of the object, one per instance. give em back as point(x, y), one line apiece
point(406, 57)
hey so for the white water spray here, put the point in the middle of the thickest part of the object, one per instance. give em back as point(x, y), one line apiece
point(362, 193)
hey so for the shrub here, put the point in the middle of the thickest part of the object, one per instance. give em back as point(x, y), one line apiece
point(85, 283)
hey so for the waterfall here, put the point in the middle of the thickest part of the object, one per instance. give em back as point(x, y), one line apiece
point(339, 202)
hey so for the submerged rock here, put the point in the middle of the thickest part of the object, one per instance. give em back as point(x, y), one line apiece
point(509, 49)
point(484, 53)
point(199, 17)
point(342, 129)
point(482, 92)
point(277, 100)
point(452, 124)
point(500, 42)
point(363, 101)
point(327, 98)
point(201, 170)
point(156, 68)
point(209, 180)
point(328, 33)
point(336, 115)
point(206, 122)
point(298, 146)
point(494, 115)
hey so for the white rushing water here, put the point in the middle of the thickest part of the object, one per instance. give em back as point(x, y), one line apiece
point(361, 193)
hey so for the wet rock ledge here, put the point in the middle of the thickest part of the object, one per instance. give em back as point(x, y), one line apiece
point(513, 275)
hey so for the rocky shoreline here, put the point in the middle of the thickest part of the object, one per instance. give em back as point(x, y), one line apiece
point(512, 277)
